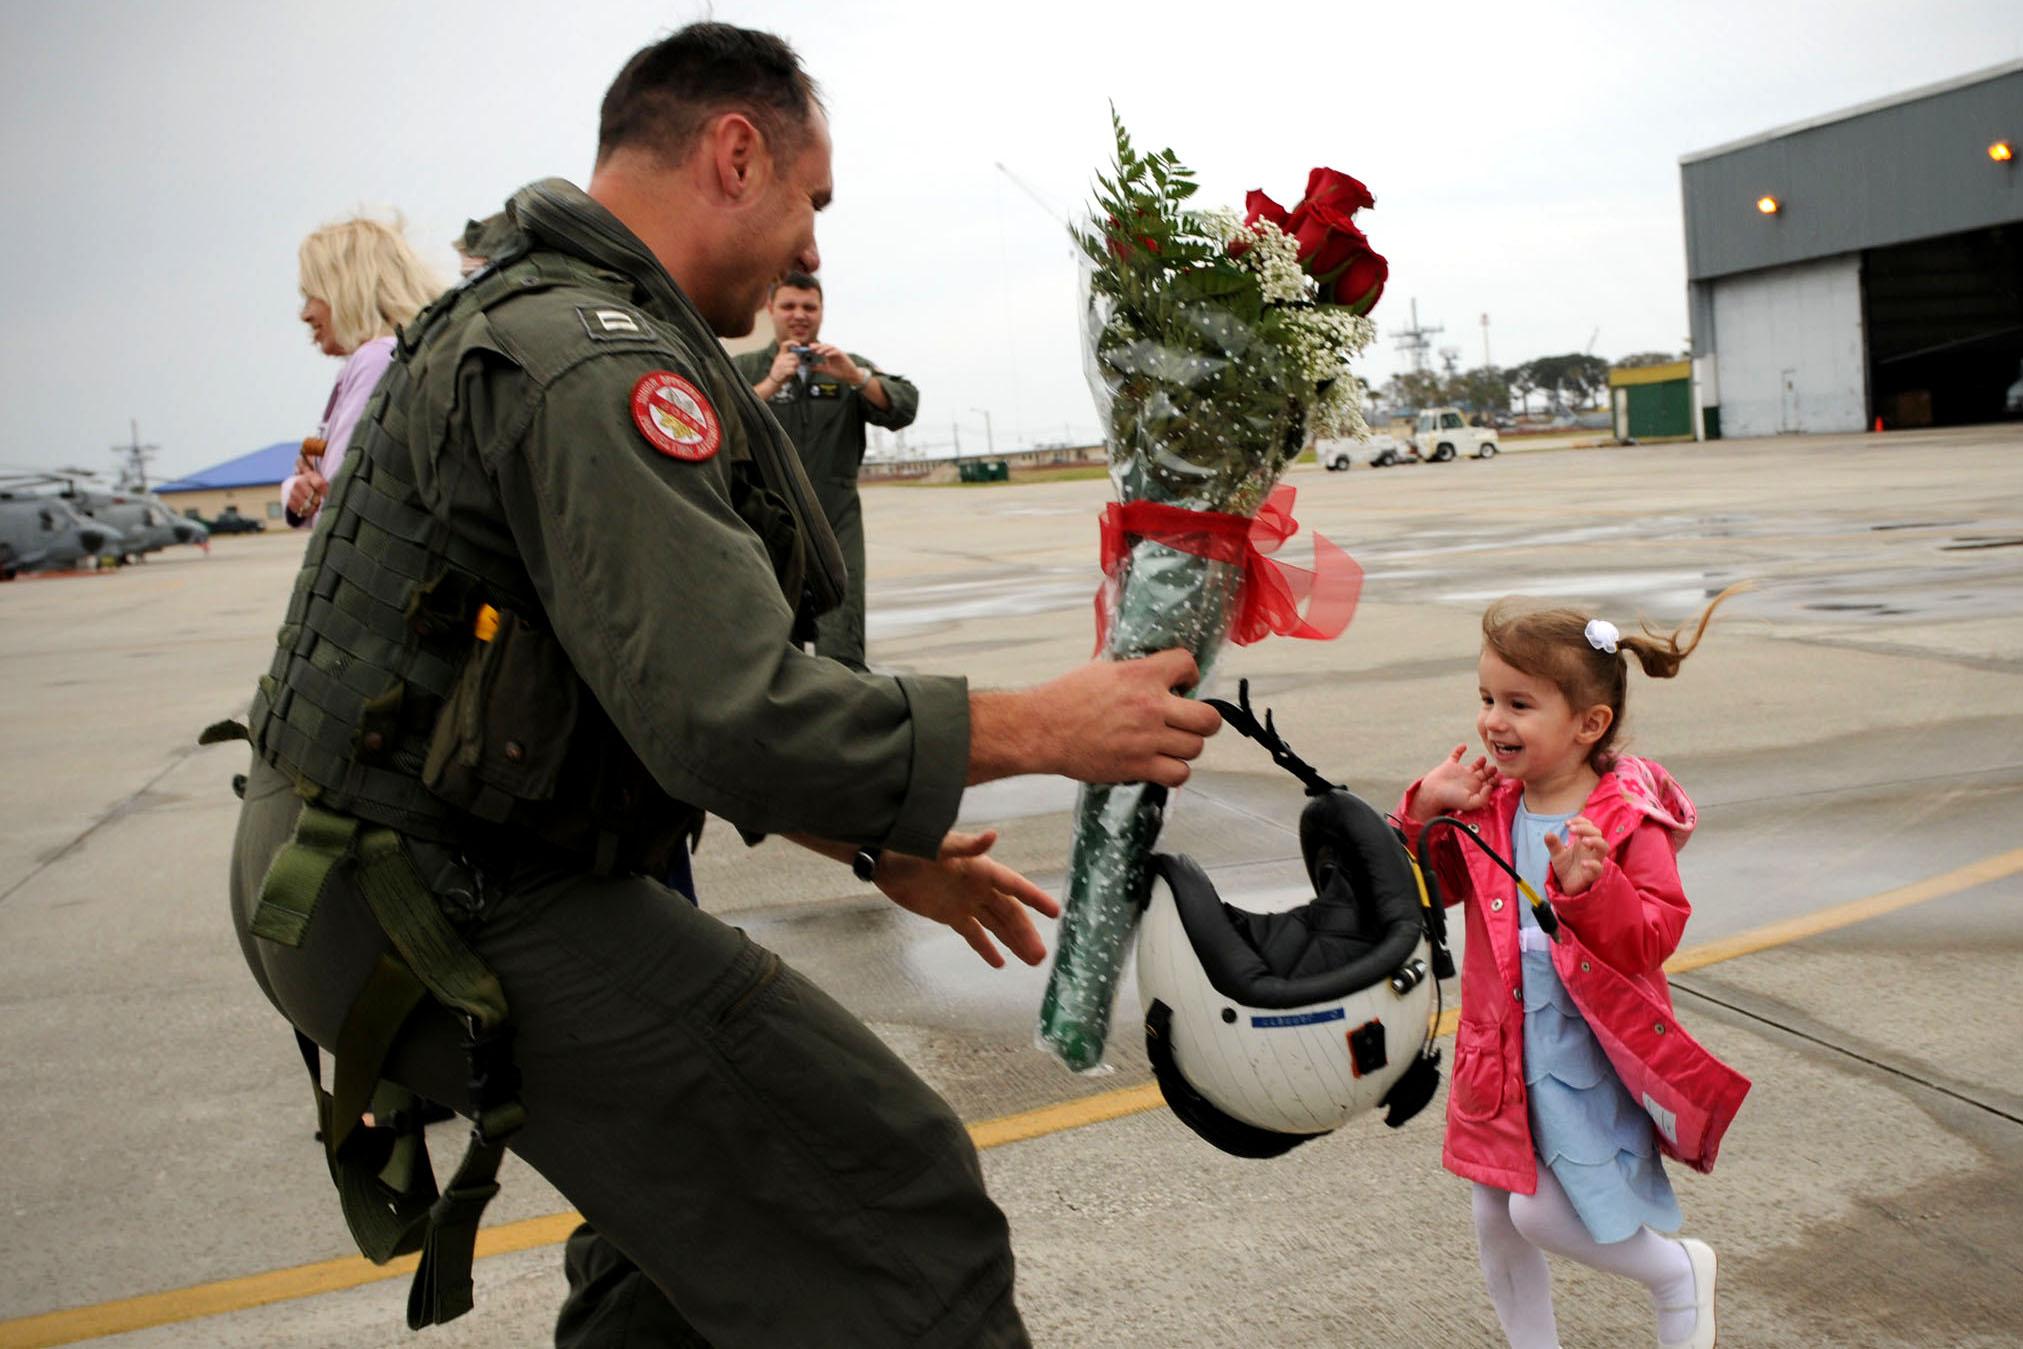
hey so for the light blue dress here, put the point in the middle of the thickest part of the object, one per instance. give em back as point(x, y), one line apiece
point(1602, 1149)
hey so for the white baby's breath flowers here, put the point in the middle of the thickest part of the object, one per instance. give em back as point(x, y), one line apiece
point(1275, 259)
point(1219, 222)
point(1269, 254)
point(1322, 340)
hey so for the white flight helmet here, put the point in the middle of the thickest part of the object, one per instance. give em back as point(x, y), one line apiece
point(1268, 1029)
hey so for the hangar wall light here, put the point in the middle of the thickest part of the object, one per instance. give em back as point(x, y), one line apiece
point(1768, 204)
point(2001, 152)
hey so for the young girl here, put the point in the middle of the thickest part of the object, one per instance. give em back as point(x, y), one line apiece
point(1560, 1129)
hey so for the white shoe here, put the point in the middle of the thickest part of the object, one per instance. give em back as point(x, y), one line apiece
point(1704, 1332)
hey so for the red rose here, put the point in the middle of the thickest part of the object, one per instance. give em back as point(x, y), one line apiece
point(1332, 250)
point(1328, 240)
point(1258, 207)
point(1338, 256)
point(1328, 187)
point(1361, 283)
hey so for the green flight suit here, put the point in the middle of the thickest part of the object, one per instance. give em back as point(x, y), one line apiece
point(758, 1168)
point(825, 418)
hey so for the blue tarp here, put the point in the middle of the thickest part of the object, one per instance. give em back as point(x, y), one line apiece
point(261, 468)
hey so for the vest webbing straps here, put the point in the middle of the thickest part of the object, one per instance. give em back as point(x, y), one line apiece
point(382, 1171)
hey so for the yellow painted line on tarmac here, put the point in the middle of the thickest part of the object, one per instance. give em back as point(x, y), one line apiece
point(333, 1276)
point(257, 1290)
point(1075, 1114)
point(1846, 915)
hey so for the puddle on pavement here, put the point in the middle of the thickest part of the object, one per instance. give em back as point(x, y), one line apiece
point(1016, 511)
point(1918, 586)
point(1017, 798)
point(906, 609)
point(1664, 591)
point(897, 968)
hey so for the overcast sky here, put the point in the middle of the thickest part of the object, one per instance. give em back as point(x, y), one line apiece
point(163, 161)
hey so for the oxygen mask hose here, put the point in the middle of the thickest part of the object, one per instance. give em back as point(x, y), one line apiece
point(1432, 915)
point(1548, 921)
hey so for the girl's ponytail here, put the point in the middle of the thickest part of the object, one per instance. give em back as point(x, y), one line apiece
point(1661, 657)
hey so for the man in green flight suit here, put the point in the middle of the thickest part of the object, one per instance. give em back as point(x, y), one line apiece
point(824, 396)
point(548, 618)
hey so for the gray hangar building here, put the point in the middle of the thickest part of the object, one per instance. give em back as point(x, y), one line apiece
point(1866, 264)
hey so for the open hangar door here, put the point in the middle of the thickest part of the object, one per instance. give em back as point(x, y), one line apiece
point(1945, 326)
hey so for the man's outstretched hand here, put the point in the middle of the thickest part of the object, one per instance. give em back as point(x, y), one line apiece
point(973, 893)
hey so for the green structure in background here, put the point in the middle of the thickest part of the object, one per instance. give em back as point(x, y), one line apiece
point(1653, 402)
point(984, 470)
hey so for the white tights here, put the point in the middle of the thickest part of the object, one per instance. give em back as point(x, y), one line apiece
point(1513, 1232)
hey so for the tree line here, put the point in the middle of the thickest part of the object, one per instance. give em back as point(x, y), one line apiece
point(1564, 383)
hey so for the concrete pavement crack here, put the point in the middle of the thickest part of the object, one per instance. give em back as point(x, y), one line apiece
point(119, 810)
point(1788, 1027)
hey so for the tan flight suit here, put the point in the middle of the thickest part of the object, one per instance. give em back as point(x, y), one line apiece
point(758, 1168)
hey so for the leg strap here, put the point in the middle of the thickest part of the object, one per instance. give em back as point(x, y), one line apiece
point(382, 1172)
point(384, 1182)
point(294, 882)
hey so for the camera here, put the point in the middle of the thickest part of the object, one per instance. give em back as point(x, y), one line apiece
point(806, 353)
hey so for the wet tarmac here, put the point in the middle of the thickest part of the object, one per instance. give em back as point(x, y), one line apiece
point(1853, 727)
point(1908, 569)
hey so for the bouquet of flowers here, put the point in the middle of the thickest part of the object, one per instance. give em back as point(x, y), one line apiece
point(1216, 344)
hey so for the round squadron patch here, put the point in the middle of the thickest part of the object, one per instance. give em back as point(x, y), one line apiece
point(675, 418)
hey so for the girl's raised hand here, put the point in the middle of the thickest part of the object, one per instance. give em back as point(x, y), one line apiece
point(1455, 785)
point(1578, 859)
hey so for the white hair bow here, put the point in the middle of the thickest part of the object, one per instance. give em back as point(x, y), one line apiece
point(1603, 635)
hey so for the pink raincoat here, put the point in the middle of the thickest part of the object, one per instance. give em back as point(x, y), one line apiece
point(1614, 939)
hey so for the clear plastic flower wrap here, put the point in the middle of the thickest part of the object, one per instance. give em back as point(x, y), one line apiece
point(1213, 350)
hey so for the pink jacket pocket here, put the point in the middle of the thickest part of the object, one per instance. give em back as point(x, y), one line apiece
point(1479, 1071)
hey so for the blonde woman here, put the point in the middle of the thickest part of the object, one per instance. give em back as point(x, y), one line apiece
point(360, 281)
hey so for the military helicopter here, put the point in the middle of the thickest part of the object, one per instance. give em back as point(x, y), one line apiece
point(142, 522)
point(143, 518)
point(39, 532)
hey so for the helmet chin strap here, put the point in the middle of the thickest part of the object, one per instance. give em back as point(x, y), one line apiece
point(1239, 716)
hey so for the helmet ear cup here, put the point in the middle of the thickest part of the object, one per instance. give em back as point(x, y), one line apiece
point(1410, 1093)
point(1232, 1135)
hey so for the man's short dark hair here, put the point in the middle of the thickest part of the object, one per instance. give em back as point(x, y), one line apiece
point(669, 91)
point(797, 281)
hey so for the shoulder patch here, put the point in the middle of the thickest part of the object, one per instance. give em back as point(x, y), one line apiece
point(675, 417)
point(614, 323)
point(546, 325)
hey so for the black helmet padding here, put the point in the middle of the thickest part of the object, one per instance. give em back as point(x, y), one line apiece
point(1362, 925)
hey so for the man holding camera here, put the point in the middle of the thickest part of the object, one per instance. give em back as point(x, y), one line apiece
point(824, 396)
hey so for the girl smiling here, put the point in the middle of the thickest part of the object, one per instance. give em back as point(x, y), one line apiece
point(1561, 1128)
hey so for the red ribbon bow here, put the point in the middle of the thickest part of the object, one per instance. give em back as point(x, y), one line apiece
point(1272, 591)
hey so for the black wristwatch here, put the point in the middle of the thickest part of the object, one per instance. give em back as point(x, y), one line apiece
point(865, 864)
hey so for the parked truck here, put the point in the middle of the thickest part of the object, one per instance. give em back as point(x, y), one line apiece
point(1380, 450)
point(1439, 434)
